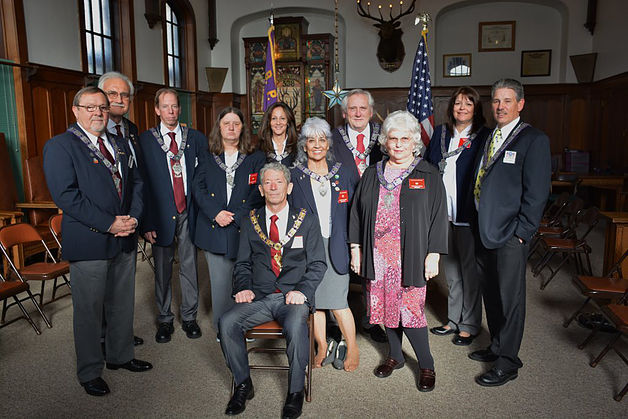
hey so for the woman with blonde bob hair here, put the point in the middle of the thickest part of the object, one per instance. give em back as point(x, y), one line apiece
point(397, 230)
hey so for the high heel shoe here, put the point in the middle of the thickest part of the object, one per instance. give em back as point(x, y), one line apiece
point(332, 345)
point(341, 354)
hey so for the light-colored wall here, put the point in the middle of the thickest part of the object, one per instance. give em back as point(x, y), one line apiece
point(52, 33)
point(148, 47)
point(610, 40)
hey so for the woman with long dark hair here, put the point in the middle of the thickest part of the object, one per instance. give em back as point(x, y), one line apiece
point(278, 134)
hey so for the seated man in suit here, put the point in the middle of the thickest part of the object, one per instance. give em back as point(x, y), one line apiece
point(281, 261)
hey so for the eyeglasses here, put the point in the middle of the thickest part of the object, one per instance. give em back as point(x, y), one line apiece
point(92, 108)
point(114, 94)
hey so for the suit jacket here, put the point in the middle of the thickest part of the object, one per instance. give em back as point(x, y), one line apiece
point(210, 193)
point(345, 156)
point(83, 188)
point(161, 210)
point(303, 197)
point(302, 270)
point(287, 161)
point(513, 195)
point(465, 207)
point(422, 215)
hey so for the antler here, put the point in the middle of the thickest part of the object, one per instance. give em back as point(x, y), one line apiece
point(367, 13)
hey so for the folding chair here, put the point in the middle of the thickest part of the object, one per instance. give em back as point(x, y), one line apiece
point(273, 330)
point(54, 224)
point(19, 234)
point(572, 212)
point(568, 247)
point(10, 289)
point(602, 290)
point(553, 214)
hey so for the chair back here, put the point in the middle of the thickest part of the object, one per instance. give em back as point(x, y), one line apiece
point(590, 218)
point(8, 192)
point(54, 224)
point(18, 234)
point(36, 189)
point(615, 270)
point(554, 212)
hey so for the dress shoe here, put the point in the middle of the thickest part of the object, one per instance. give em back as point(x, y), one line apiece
point(96, 387)
point(330, 356)
point(164, 332)
point(427, 380)
point(377, 334)
point(137, 341)
point(294, 405)
point(191, 329)
point(495, 377)
point(241, 393)
point(443, 331)
point(463, 340)
point(134, 365)
point(387, 368)
point(483, 355)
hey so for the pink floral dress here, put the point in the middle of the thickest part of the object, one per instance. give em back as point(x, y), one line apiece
point(388, 301)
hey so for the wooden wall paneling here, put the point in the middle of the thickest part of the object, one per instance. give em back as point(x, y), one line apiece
point(204, 119)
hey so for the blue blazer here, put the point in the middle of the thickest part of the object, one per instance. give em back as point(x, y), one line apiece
point(160, 206)
point(83, 188)
point(210, 193)
point(302, 196)
point(303, 265)
point(465, 169)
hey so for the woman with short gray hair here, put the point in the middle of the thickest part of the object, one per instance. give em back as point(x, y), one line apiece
point(325, 188)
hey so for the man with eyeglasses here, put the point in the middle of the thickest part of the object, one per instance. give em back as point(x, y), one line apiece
point(119, 91)
point(171, 153)
point(90, 178)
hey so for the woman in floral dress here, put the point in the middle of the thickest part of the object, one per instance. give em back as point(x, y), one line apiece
point(397, 230)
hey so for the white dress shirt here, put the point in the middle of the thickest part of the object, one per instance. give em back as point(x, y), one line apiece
point(108, 146)
point(111, 127)
point(449, 175)
point(353, 138)
point(230, 160)
point(164, 135)
point(278, 152)
point(323, 206)
point(282, 222)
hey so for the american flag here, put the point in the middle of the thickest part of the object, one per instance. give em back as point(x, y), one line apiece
point(270, 89)
point(420, 95)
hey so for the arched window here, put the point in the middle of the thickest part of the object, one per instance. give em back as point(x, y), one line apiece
point(98, 26)
point(174, 38)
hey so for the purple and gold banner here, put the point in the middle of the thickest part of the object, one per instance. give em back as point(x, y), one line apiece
point(270, 89)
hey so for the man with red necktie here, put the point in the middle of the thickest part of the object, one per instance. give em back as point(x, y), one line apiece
point(170, 154)
point(355, 144)
point(281, 261)
point(90, 178)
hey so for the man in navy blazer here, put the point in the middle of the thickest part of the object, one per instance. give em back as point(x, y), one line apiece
point(273, 280)
point(356, 145)
point(170, 154)
point(90, 178)
point(119, 91)
point(513, 179)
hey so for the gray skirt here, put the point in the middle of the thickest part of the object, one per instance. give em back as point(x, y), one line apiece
point(332, 291)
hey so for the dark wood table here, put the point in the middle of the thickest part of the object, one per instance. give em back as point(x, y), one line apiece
point(616, 241)
point(613, 184)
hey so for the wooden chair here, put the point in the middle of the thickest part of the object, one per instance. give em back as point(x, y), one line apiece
point(273, 330)
point(554, 212)
point(601, 290)
point(568, 248)
point(567, 229)
point(18, 234)
point(617, 314)
point(10, 289)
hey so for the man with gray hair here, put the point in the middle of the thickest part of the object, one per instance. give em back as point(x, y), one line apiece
point(119, 91)
point(281, 261)
point(512, 184)
point(356, 146)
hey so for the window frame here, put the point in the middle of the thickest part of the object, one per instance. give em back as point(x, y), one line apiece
point(113, 37)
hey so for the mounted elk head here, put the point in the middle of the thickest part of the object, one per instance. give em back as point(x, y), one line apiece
point(390, 51)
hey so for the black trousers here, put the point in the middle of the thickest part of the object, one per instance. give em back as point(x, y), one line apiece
point(503, 272)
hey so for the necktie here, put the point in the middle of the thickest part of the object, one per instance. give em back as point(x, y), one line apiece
point(177, 179)
point(117, 179)
point(118, 130)
point(275, 255)
point(360, 163)
point(497, 137)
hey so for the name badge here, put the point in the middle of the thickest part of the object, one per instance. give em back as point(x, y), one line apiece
point(510, 157)
point(343, 197)
point(416, 183)
point(297, 242)
point(461, 142)
point(252, 178)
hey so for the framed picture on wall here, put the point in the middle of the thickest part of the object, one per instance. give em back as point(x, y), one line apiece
point(456, 65)
point(536, 63)
point(496, 36)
